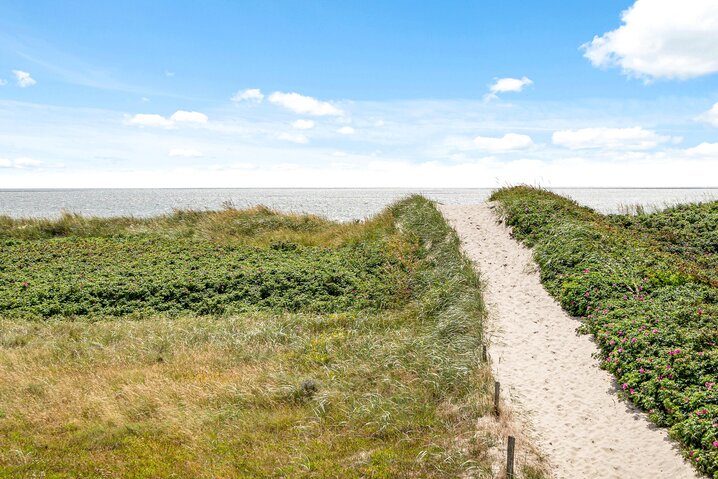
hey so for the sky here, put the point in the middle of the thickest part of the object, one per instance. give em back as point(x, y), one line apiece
point(358, 94)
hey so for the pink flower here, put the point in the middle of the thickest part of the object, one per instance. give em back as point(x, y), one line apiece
point(632, 393)
point(715, 443)
point(620, 350)
point(586, 270)
point(625, 386)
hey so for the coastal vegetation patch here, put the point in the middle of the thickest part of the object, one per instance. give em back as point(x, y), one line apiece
point(644, 287)
point(243, 343)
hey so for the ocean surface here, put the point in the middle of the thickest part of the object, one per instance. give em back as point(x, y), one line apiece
point(337, 204)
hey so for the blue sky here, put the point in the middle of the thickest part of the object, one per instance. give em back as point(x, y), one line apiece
point(418, 94)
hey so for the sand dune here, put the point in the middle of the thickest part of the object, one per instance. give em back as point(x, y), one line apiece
point(547, 371)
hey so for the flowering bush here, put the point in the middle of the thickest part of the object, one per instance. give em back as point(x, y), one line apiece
point(652, 309)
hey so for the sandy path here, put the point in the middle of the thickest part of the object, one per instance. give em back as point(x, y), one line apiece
point(547, 372)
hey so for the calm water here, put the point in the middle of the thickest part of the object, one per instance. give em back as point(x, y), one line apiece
point(338, 204)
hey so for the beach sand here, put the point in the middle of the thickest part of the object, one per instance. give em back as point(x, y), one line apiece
point(547, 373)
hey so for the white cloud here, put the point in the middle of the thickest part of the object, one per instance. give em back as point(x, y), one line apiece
point(504, 85)
point(23, 79)
point(704, 149)
point(346, 130)
point(635, 138)
point(305, 105)
point(303, 124)
point(189, 117)
point(185, 152)
point(294, 138)
point(250, 94)
point(711, 116)
point(661, 39)
point(180, 116)
point(20, 163)
point(508, 142)
point(169, 74)
point(143, 119)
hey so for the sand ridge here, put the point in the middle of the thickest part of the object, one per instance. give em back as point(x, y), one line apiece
point(547, 371)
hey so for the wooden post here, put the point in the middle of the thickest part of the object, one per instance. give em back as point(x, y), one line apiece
point(510, 458)
point(497, 391)
point(484, 356)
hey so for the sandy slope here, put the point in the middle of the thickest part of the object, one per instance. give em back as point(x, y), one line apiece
point(547, 372)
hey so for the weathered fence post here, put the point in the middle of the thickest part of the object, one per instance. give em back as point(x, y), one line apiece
point(484, 356)
point(510, 458)
point(497, 392)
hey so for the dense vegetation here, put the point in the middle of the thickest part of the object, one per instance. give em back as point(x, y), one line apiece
point(120, 276)
point(644, 288)
point(243, 344)
point(199, 262)
point(689, 230)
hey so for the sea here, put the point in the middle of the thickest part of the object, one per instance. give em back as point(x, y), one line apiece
point(340, 204)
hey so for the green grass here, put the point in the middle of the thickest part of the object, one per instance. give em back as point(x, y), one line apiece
point(643, 288)
point(362, 360)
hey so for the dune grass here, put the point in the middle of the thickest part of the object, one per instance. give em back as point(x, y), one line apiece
point(257, 226)
point(390, 388)
point(644, 288)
